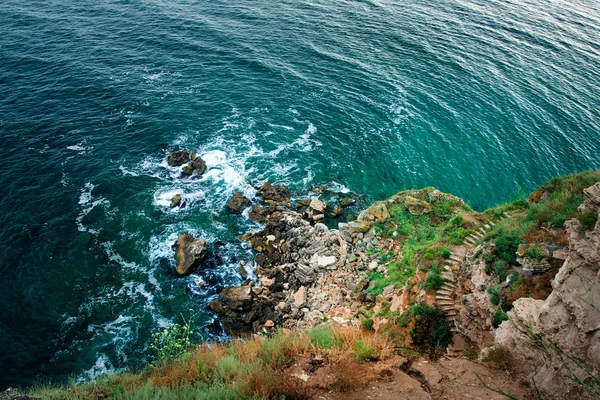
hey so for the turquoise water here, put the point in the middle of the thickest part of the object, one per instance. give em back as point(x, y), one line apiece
point(478, 98)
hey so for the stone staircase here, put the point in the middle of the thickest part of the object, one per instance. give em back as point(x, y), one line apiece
point(446, 296)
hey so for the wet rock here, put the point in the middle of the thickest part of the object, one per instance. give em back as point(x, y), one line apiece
point(238, 203)
point(317, 205)
point(243, 271)
point(178, 158)
point(237, 297)
point(336, 212)
point(190, 252)
point(275, 193)
point(219, 307)
point(346, 202)
point(417, 207)
point(175, 201)
point(258, 214)
point(195, 167)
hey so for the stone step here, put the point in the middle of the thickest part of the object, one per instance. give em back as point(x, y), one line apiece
point(506, 214)
point(448, 285)
point(447, 268)
point(444, 292)
point(443, 298)
point(448, 262)
point(487, 226)
point(492, 223)
point(446, 303)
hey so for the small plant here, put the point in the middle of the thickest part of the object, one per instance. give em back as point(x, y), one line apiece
point(487, 257)
point(588, 220)
point(431, 331)
point(434, 280)
point(507, 246)
point(172, 341)
point(498, 317)
point(365, 352)
point(535, 252)
point(324, 338)
point(494, 292)
point(367, 325)
point(446, 252)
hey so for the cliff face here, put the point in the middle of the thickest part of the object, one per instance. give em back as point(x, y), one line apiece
point(569, 319)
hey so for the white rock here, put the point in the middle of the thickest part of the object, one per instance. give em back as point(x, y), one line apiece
point(326, 261)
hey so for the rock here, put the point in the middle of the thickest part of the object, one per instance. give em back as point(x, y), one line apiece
point(243, 271)
point(269, 324)
point(219, 307)
point(178, 158)
point(276, 193)
point(416, 206)
point(317, 205)
point(237, 297)
point(360, 226)
point(326, 261)
point(346, 203)
point(195, 167)
point(533, 258)
point(175, 201)
point(258, 214)
point(238, 203)
point(336, 212)
point(377, 212)
point(568, 318)
point(305, 273)
point(300, 297)
point(190, 253)
point(396, 303)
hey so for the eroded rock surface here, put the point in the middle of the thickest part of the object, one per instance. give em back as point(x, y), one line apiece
point(569, 318)
point(190, 252)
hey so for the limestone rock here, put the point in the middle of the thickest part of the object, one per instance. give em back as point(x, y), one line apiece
point(326, 261)
point(300, 297)
point(360, 226)
point(317, 205)
point(178, 158)
point(533, 258)
point(568, 317)
point(377, 212)
point(190, 253)
point(336, 212)
point(416, 206)
point(238, 203)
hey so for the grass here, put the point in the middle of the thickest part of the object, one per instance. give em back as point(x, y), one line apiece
point(257, 368)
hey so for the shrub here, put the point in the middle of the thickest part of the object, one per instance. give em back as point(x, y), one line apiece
point(535, 251)
point(494, 292)
point(364, 352)
point(498, 317)
point(588, 220)
point(457, 221)
point(445, 252)
point(367, 325)
point(434, 280)
point(487, 257)
point(507, 245)
point(431, 331)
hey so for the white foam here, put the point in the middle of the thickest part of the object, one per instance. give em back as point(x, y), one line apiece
point(79, 147)
point(103, 366)
point(85, 200)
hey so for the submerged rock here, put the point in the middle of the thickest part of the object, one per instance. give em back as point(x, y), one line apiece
point(178, 158)
point(238, 203)
point(190, 253)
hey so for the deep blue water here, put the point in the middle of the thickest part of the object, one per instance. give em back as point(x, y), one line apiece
point(478, 98)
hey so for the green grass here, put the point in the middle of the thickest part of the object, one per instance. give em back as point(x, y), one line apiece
point(324, 338)
point(434, 280)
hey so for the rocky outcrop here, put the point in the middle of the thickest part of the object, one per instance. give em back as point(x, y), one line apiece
point(178, 158)
point(568, 319)
point(274, 193)
point(416, 206)
point(190, 252)
point(196, 166)
point(175, 201)
point(238, 203)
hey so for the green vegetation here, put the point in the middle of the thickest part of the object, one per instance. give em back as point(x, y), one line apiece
point(324, 337)
point(507, 245)
point(172, 341)
point(434, 280)
point(431, 332)
point(365, 352)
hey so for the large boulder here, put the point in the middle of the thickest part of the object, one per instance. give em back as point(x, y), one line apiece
point(274, 193)
point(377, 212)
point(195, 167)
point(190, 252)
point(237, 297)
point(178, 158)
point(238, 203)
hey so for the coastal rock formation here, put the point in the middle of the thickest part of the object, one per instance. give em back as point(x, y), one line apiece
point(274, 193)
point(175, 201)
point(238, 203)
point(196, 166)
point(190, 252)
point(550, 335)
point(178, 158)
